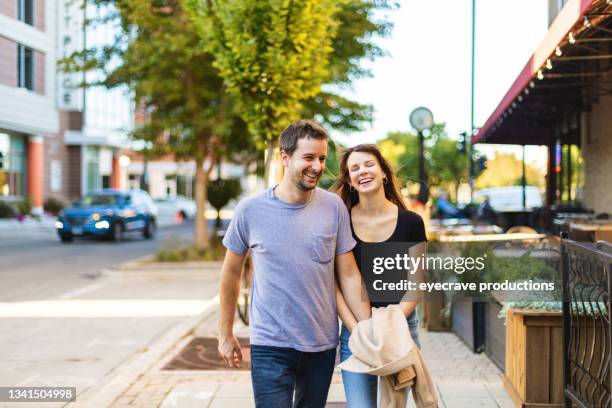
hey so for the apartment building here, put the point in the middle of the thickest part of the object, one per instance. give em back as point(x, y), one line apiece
point(29, 122)
point(55, 138)
point(95, 122)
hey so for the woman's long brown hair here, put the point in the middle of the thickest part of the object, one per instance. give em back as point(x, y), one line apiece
point(342, 184)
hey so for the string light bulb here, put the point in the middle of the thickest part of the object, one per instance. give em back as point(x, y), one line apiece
point(558, 51)
point(532, 84)
point(586, 22)
point(520, 98)
point(548, 64)
point(540, 74)
point(572, 39)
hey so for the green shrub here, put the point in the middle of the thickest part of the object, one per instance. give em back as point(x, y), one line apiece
point(189, 254)
point(221, 192)
point(25, 206)
point(7, 210)
point(54, 205)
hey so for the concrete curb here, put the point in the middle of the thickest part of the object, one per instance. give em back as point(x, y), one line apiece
point(115, 383)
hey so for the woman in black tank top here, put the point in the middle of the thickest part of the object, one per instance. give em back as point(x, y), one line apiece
point(368, 187)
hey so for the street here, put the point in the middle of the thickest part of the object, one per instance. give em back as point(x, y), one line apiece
point(37, 265)
point(64, 323)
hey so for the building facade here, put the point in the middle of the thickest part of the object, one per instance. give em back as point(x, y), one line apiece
point(56, 140)
point(28, 115)
point(94, 122)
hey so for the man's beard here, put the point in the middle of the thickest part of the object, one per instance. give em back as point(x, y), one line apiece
point(303, 186)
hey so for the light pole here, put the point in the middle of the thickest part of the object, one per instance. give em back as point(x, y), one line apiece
point(421, 119)
point(471, 147)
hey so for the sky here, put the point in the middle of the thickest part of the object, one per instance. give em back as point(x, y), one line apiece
point(429, 59)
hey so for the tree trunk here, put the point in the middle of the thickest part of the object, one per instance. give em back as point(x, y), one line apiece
point(201, 223)
point(273, 170)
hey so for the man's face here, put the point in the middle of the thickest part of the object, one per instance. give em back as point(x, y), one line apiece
point(307, 163)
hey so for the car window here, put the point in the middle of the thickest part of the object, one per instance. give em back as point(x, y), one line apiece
point(98, 199)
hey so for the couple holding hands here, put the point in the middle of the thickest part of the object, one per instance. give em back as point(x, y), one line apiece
point(306, 247)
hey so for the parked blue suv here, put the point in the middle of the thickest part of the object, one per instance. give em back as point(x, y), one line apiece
point(108, 213)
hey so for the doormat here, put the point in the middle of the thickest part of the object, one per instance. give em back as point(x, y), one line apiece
point(201, 354)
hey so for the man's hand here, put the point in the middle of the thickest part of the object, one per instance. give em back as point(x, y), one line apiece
point(349, 282)
point(229, 349)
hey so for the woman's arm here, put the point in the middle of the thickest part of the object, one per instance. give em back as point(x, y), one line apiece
point(344, 311)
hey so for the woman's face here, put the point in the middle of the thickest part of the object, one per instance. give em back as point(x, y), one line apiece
point(365, 174)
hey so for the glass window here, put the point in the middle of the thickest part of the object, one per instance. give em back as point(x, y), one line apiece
point(98, 199)
point(92, 160)
point(25, 67)
point(25, 11)
point(12, 165)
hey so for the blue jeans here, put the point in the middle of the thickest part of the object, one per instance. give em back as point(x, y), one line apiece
point(361, 389)
point(277, 372)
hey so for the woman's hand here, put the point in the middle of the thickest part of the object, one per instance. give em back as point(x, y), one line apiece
point(408, 307)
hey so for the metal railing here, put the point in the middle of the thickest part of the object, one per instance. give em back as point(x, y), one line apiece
point(587, 328)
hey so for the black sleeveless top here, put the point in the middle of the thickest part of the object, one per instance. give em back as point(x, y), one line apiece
point(409, 228)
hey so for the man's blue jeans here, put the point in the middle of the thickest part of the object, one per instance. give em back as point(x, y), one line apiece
point(277, 372)
point(361, 389)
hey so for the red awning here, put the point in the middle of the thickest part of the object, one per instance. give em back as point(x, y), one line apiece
point(524, 129)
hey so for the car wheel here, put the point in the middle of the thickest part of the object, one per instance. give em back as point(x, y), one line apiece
point(150, 229)
point(117, 232)
point(66, 238)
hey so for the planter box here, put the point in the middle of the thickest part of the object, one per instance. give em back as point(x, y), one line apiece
point(534, 358)
point(432, 319)
point(495, 335)
point(468, 322)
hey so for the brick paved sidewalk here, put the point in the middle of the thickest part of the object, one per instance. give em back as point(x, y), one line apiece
point(464, 379)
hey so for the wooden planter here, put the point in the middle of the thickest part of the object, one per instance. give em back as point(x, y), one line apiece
point(432, 315)
point(534, 358)
point(495, 335)
point(468, 322)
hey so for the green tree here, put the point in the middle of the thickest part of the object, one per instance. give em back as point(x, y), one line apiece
point(332, 165)
point(159, 57)
point(446, 165)
point(358, 27)
point(505, 169)
point(273, 56)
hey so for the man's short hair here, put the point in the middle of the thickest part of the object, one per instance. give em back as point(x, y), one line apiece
point(304, 128)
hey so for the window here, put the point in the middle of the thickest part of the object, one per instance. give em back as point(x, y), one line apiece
point(92, 158)
point(12, 165)
point(25, 67)
point(25, 11)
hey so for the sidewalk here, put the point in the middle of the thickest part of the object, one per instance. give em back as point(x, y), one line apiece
point(464, 379)
point(11, 227)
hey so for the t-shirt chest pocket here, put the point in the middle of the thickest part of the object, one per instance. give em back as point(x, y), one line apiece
point(323, 248)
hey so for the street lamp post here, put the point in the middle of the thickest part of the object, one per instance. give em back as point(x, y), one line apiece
point(422, 119)
point(471, 149)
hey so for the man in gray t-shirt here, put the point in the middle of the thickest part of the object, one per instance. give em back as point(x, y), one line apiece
point(298, 234)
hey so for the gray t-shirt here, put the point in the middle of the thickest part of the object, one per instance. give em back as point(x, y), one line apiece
point(293, 302)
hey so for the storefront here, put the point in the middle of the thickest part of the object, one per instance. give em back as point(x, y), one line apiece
point(12, 165)
point(562, 99)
